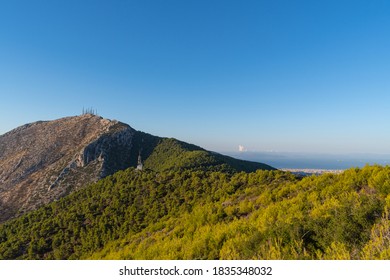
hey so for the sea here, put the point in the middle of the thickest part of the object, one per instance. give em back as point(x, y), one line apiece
point(290, 160)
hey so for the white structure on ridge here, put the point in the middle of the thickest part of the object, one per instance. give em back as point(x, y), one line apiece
point(139, 165)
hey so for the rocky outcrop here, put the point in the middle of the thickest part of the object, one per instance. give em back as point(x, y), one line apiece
point(43, 161)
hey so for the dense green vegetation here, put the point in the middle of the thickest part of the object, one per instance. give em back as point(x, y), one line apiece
point(162, 154)
point(200, 214)
point(172, 154)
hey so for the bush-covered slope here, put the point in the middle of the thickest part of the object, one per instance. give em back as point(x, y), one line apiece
point(172, 154)
point(211, 215)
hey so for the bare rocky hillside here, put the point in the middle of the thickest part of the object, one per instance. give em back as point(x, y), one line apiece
point(43, 161)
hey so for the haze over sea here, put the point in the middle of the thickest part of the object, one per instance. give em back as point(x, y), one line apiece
point(291, 160)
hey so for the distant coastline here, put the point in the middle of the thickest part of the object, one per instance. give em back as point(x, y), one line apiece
point(308, 172)
point(311, 161)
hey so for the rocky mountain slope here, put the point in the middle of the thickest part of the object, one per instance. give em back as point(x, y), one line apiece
point(43, 161)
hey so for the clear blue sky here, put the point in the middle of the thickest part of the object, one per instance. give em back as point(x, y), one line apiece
point(300, 76)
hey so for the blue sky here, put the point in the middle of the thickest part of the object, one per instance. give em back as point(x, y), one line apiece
point(299, 76)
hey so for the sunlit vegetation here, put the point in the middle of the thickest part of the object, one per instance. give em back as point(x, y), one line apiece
point(200, 214)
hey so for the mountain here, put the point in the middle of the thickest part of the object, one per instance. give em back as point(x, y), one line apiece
point(43, 161)
point(187, 203)
point(46, 160)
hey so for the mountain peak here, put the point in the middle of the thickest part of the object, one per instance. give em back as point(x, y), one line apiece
point(46, 160)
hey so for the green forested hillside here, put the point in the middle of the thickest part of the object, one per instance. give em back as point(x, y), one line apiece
point(172, 154)
point(211, 215)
